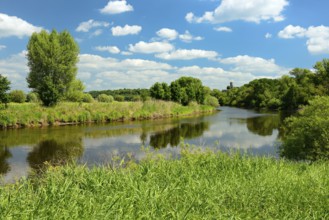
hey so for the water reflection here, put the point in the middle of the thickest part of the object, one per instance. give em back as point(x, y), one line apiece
point(55, 152)
point(24, 149)
point(173, 136)
point(264, 125)
point(5, 154)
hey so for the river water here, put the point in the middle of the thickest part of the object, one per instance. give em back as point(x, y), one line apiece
point(26, 150)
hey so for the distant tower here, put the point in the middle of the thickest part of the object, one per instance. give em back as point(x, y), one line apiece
point(231, 85)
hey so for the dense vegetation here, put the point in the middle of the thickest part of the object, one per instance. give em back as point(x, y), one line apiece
point(33, 114)
point(288, 92)
point(127, 94)
point(307, 134)
point(184, 91)
point(198, 186)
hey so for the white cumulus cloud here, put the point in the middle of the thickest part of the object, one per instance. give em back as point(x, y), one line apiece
point(152, 47)
point(166, 33)
point(87, 25)
point(223, 29)
point(188, 37)
point(116, 7)
point(255, 65)
point(291, 31)
point(109, 73)
point(2, 47)
point(250, 11)
point(126, 30)
point(110, 49)
point(317, 37)
point(16, 70)
point(12, 26)
point(188, 54)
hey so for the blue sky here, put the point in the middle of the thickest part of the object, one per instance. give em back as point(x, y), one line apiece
point(135, 43)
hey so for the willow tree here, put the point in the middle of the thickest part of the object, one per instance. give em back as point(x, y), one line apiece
point(52, 59)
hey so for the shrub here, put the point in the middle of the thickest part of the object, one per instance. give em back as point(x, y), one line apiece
point(119, 98)
point(105, 98)
point(211, 100)
point(307, 134)
point(32, 97)
point(87, 98)
point(17, 96)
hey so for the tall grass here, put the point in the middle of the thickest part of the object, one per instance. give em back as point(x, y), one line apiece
point(31, 114)
point(201, 185)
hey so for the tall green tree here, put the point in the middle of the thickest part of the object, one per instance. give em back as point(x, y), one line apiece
point(4, 87)
point(157, 91)
point(52, 59)
point(191, 89)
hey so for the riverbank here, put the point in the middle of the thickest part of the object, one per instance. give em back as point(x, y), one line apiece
point(34, 115)
point(201, 185)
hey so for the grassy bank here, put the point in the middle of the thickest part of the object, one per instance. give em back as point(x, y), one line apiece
point(198, 186)
point(30, 115)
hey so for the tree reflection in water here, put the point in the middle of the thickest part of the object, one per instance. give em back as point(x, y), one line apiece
point(55, 152)
point(263, 125)
point(174, 135)
point(4, 165)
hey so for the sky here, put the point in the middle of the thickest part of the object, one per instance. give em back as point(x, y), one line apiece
point(135, 43)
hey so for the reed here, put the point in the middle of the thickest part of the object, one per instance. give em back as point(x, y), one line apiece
point(32, 114)
point(200, 185)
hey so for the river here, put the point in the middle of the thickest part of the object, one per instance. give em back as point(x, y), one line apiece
point(26, 150)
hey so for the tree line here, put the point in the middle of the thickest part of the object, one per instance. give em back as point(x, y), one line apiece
point(287, 92)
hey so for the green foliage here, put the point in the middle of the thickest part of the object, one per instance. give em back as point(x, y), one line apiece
point(128, 94)
point(119, 98)
point(285, 93)
point(159, 90)
point(52, 59)
point(307, 135)
point(87, 98)
point(32, 97)
point(200, 185)
point(4, 87)
point(105, 98)
point(184, 90)
point(211, 100)
point(75, 91)
point(17, 96)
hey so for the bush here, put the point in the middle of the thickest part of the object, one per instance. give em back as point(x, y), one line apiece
point(105, 98)
point(119, 98)
point(32, 97)
point(211, 100)
point(17, 96)
point(87, 98)
point(307, 134)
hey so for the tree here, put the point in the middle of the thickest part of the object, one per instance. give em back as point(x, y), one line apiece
point(17, 96)
point(187, 89)
point(306, 134)
point(157, 91)
point(4, 87)
point(52, 59)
